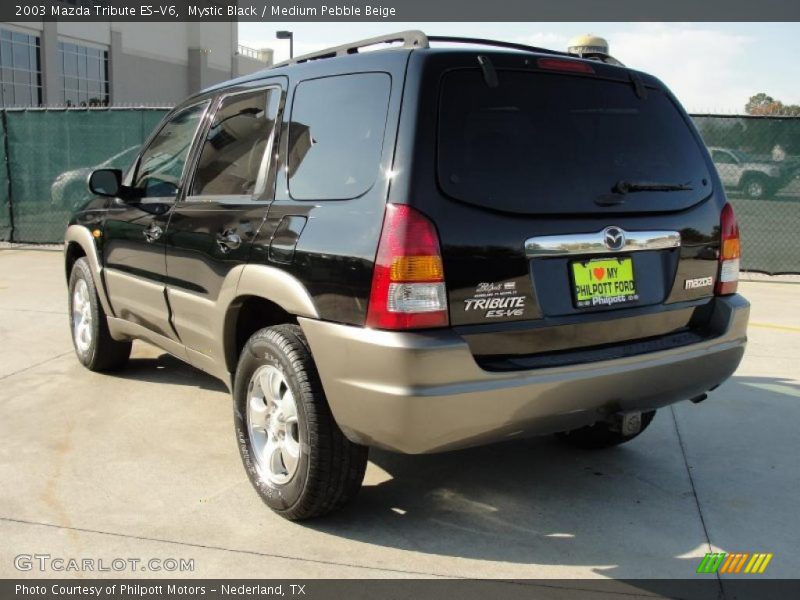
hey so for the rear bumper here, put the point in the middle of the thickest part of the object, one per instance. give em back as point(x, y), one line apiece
point(424, 392)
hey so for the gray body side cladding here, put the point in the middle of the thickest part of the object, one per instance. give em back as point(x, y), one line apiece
point(261, 281)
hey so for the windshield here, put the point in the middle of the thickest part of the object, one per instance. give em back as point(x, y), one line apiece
point(552, 143)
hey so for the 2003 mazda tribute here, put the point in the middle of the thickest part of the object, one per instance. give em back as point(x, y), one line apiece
point(417, 249)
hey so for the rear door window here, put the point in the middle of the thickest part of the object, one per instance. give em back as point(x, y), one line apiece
point(235, 155)
point(553, 143)
point(336, 135)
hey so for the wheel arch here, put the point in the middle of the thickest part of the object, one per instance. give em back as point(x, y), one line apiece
point(246, 315)
point(265, 296)
point(79, 243)
point(72, 252)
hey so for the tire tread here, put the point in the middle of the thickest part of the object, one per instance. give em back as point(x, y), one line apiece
point(336, 465)
point(107, 353)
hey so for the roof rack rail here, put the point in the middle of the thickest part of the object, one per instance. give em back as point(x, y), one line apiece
point(496, 43)
point(410, 39)
point(413, 38)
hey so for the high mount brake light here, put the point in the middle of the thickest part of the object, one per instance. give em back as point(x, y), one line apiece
point(568, 65)
point(729, 253)
point(408, 290)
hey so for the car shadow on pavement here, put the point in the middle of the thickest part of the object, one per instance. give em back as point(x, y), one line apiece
point(165, 368)
point(535, 502)
point(625, 512)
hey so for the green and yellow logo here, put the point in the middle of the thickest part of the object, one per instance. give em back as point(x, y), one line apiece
point(738, 562)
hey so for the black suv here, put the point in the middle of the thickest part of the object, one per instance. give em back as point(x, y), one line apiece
point(417, 249)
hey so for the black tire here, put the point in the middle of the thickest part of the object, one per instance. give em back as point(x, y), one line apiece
point(330, 468)
point(103, 353)
point(600, 435)
point(756, 186)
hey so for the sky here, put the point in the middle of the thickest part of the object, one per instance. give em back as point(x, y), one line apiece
point(711, 67)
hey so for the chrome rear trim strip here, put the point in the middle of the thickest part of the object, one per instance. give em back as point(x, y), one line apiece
point(595, 243)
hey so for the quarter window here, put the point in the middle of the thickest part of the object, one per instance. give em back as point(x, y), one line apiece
point(336, 135)
point(161, 164)
point(235, 153)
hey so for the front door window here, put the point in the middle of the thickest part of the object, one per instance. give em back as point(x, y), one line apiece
point(161, 165)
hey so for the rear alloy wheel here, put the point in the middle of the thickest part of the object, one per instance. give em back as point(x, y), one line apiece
point(295, 455)
point(94, 346)
point(601, 435)
point(755, 187)
point(272, 425)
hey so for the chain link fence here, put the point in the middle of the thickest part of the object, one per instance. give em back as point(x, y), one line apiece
point(758, 160)
point(46, 156)
point(6, 226)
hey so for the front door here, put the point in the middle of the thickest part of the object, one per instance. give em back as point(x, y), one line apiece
point(133, 237)
point(212, 227)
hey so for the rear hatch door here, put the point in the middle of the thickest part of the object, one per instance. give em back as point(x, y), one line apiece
point(567, 198)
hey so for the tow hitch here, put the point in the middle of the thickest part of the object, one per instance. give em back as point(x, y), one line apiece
point(628, 423)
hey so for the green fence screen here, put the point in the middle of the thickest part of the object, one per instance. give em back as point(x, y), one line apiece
point(52, 152)
point(758, 160)
point(5, 191)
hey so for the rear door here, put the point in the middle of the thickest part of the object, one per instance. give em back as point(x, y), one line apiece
point(212, 227)
point(564, 197)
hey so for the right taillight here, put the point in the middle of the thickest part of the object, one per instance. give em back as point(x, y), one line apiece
point(729, 253)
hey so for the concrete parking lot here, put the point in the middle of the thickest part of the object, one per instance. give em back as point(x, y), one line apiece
point(143, 464)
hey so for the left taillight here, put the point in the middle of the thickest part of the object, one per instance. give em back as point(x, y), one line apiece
point(729, 253)
point(408, 289)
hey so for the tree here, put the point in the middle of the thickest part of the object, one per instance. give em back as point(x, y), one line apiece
point(763, 104)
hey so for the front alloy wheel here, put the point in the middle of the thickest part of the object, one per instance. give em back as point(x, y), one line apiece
point(81, 317)
point(94, 346)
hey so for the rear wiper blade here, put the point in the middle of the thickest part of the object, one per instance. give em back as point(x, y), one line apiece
point(626, 187)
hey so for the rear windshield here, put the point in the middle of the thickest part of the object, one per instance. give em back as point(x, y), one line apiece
point(552, 143)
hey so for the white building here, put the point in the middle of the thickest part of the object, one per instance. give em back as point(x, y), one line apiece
point(118, 63)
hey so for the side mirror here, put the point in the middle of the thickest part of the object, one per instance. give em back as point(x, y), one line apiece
point(105, 182)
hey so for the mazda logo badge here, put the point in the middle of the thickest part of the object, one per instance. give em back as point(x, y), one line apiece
point(614, 238)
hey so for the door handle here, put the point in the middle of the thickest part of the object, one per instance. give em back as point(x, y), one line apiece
point(228, 240)
point(152, 233)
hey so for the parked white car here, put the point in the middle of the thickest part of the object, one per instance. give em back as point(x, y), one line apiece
point(756, 176)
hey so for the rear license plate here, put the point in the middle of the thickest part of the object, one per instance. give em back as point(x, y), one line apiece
point(603, 282)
